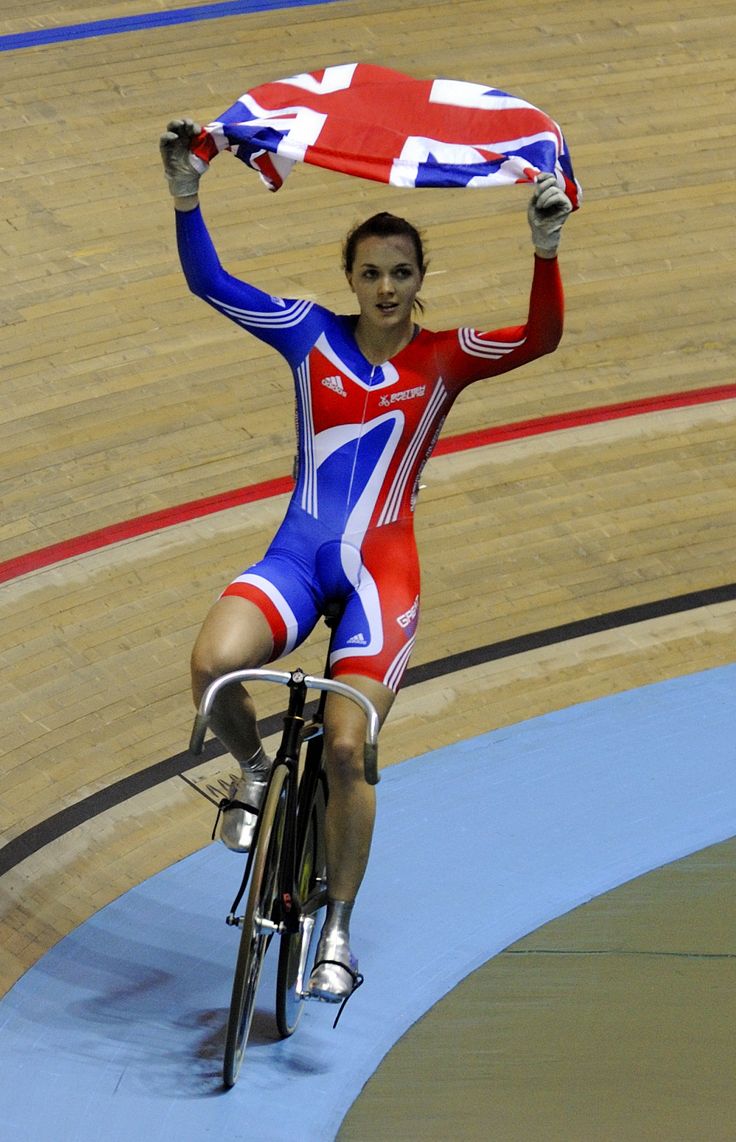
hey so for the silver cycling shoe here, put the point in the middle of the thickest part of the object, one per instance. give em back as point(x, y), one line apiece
point(335, 975)
point(239, 811)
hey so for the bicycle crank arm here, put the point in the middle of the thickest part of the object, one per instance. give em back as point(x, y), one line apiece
point(306, 926)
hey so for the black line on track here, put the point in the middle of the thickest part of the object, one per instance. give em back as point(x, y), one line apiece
point(57, 825)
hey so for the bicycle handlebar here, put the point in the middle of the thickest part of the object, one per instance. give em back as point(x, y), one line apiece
point(370, 749)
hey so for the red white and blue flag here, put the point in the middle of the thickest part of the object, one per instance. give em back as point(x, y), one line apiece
point(379, 124)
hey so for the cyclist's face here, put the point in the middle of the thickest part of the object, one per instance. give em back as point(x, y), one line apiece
point(386, 279)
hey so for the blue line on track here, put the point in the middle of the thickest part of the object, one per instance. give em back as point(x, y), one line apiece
point(119, 1028)
point(114, 27)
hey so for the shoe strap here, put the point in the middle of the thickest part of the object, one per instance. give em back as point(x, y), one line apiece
point(231, 803)
point(355, 976)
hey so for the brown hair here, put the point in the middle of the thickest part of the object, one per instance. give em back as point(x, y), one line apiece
point(383, 225)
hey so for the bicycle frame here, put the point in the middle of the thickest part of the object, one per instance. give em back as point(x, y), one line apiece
point(292, 820)
point(296, 732)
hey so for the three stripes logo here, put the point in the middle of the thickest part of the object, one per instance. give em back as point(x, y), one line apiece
point(335, 385)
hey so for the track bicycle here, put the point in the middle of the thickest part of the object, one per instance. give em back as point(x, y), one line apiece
point(285, 872)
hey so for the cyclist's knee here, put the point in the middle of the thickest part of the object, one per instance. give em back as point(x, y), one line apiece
point(209, 661)
point(203, 670)
point(234, 636)
point(344, 756)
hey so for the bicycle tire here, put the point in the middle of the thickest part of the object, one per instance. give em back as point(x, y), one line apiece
point(253, 942)
point(293, 953)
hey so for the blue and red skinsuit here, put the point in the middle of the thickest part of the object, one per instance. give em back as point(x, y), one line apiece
point(364, 434)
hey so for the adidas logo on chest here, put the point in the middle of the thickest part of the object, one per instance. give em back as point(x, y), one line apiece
point(335, 385)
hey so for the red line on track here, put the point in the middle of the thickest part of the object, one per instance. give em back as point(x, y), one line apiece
point(195, 509)
point(522, 428)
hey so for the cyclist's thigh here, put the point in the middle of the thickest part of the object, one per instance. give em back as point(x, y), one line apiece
point(235, 635)
point(281, 588)
point(376, 633)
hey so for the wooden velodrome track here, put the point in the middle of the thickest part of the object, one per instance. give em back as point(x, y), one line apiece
point(124, 396)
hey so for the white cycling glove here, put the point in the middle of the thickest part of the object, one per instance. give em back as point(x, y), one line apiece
point(548, 209)
point(182, 178)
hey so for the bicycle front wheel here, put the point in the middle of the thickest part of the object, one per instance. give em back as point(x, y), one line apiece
point(295, 947)
point(254, 937)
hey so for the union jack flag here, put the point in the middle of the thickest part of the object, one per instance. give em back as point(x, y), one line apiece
point(379, 124)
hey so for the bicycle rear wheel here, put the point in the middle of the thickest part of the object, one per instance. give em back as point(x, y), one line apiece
point(254, 940)
point(295, 947)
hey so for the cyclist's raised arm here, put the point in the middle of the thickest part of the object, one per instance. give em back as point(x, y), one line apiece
point(473, 354)
point(280, 322)
point(547, 212)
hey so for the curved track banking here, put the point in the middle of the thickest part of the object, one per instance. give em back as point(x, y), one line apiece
point(566, 719)
point(70, 818)
point(131, 1004)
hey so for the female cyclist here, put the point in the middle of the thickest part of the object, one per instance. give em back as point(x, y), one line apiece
point(372, 392)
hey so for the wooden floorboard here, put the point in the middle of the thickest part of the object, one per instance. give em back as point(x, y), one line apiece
point(124, 395)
